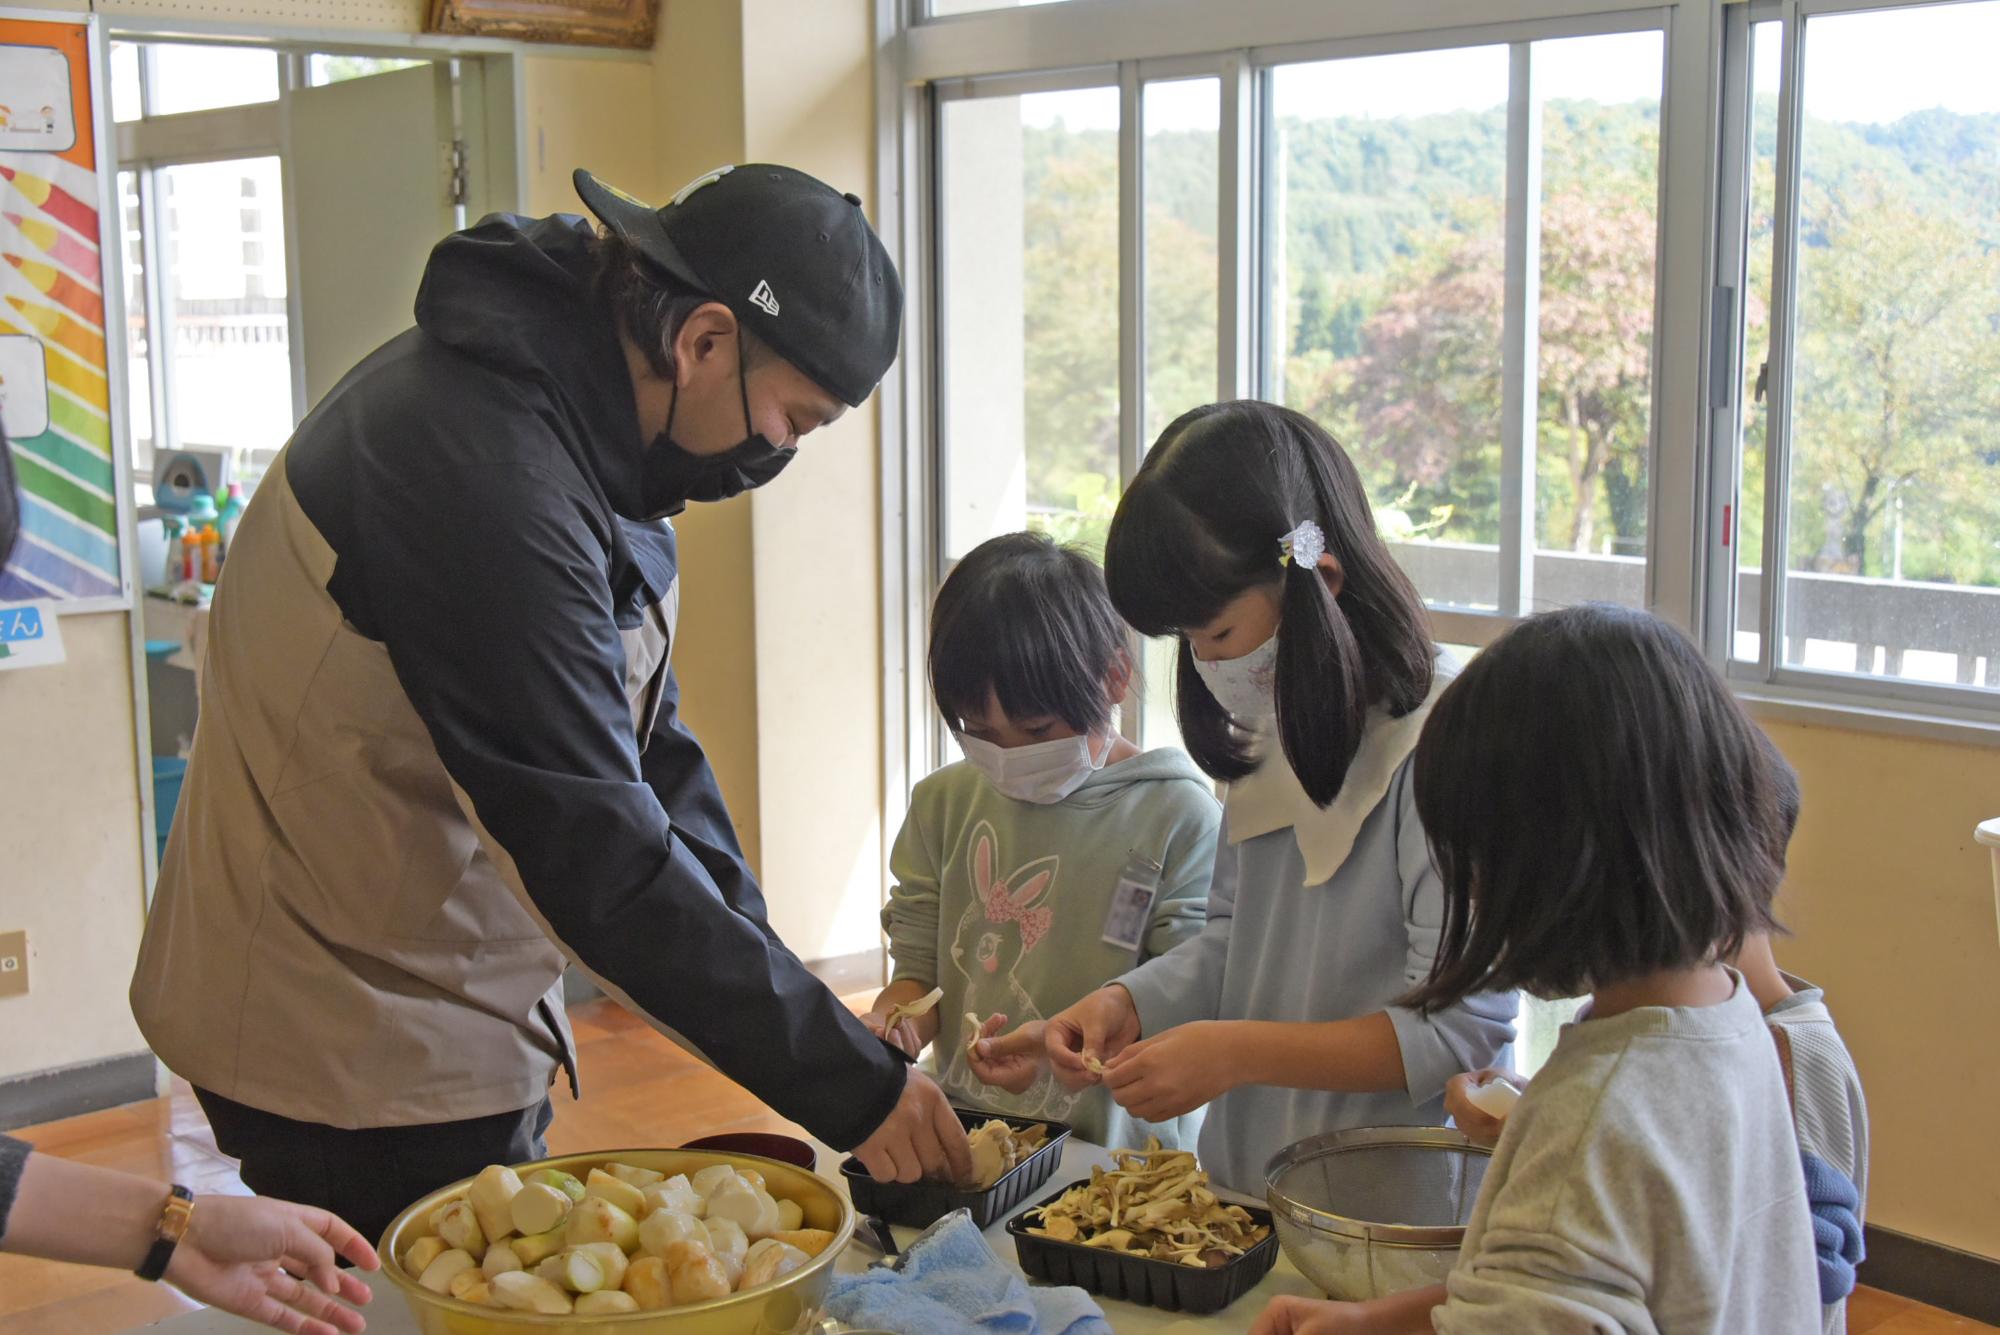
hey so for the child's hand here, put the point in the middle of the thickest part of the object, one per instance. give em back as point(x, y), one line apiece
point(1308, 1316)
point(1097, 1028)
point(1011, 1062)
point(903, 1036)
point(1480, 1127)
point(1175, 1072)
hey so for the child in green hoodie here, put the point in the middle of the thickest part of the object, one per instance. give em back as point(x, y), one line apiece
point(1055, 857)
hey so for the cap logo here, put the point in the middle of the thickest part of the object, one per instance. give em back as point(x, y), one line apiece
point(764, 299)
point(680, 195)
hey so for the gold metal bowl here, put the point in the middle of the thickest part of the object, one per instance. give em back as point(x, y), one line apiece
point(789, 1306)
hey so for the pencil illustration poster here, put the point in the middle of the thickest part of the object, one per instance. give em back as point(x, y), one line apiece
point(55, 398)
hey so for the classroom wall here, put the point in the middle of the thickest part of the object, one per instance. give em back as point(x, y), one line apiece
point(69, 849)
point(70, 822)
point(648, 129)
point(1891, 903)
point(809, 101)
point(697, 113)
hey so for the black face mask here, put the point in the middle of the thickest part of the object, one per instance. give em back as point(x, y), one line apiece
point(10, 503)
point(673, 477)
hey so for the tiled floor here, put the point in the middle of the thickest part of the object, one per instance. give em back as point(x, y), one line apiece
point(640, 1090)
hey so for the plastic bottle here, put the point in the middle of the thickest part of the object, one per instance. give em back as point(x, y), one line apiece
point(211, 555)
point(176, 559)
point(232, 513)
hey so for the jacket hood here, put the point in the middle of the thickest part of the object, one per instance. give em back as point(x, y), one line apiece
point(1164, 764)
point(517, 295)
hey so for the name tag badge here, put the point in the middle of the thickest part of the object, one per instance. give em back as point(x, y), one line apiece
point(1131, 909)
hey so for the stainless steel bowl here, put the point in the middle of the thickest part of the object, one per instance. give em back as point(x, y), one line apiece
point(1375, 1210)
point(790, 1306)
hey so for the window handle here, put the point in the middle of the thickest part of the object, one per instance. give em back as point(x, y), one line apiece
point(1763, 379)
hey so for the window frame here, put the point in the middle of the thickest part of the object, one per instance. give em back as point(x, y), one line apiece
point(1694, 454)
point(1771, 687)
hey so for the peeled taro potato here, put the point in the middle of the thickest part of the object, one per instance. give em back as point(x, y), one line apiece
point(614, 1260)
point(492, 1194)
point(581, 1271)
point(616, 1190)
point(668, 1226)
point(438, 1274)
point(598, 1220)
point(730, 1244)
point(567, 1183)
point(811, 1241)
point(418, 1257)
point(466, 1282)
point(646, 1281)
point(523, 1292)
point(749, 1207)
point(608, 1302)
point(769, 1260)
point(536, 1248)
point(790, 1216)
point(709, 1178)
point(675, 1193)
point(500, 1258)
point(539, 1207)
point(693, 1274)
point(638, 1177)
point(458, 1225)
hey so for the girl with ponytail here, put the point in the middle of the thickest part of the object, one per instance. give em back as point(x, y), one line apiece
point(1306, 671)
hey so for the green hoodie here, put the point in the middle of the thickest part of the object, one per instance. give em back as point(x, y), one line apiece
point(1002, 904)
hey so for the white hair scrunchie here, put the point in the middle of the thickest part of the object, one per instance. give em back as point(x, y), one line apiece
point(1304, 545)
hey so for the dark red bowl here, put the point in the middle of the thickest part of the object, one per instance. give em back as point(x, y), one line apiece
point(785, 1149)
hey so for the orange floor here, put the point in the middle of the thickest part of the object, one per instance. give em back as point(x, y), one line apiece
point(642, 1090)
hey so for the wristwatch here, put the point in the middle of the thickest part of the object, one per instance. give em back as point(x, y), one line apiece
point(174, 1220)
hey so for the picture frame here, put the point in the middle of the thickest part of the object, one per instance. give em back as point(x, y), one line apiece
point(618, 23)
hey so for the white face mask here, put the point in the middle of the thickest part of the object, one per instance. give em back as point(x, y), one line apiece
point(1044, 773)
point(1248, 686)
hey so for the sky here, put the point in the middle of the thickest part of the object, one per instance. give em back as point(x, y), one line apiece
point(1874, 67)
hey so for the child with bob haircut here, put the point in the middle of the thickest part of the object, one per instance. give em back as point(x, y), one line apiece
point(1606, 820)
point(1015, 868)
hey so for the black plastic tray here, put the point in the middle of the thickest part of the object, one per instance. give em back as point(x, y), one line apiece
point(921, 1204)
point(1141, 1279)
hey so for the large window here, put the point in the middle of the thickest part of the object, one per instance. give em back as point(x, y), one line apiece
point(1595, 324)
point(1461, 290)
point(1028, 225)
point(1866, 555)
point(209, 309)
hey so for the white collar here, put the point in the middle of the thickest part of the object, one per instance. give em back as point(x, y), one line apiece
point(1271, 797)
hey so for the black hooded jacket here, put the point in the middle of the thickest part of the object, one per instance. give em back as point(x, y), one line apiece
point(479, 483)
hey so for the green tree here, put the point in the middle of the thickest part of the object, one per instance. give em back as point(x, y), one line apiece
point(1898, 359)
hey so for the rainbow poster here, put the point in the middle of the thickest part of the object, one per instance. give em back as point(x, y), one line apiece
point(55, 393)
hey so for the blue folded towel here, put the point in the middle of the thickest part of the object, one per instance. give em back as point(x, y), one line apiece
point(949, 1282)
point(1833, 1201)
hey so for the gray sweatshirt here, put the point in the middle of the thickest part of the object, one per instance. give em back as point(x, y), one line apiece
point(1827, 1107)
point(1648, 1180)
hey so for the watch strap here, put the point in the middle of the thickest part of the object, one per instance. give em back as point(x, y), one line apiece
point(174, 1219)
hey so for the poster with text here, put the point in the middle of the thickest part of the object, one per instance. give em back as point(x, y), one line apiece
point(55, 394)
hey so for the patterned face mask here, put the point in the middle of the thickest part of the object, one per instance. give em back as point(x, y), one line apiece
point(1245, 686)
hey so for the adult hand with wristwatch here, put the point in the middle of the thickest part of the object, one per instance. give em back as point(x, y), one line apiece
point(269, 1261)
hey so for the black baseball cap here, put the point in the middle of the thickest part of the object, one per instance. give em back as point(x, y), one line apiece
point(794, 259)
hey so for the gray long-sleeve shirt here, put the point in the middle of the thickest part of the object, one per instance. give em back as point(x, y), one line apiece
point(1647, 1181)
point(1278, 949)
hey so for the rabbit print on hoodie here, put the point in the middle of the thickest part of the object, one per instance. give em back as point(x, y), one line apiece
point(1002, 904)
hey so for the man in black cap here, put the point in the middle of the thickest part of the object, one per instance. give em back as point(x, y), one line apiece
point(440, 750)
